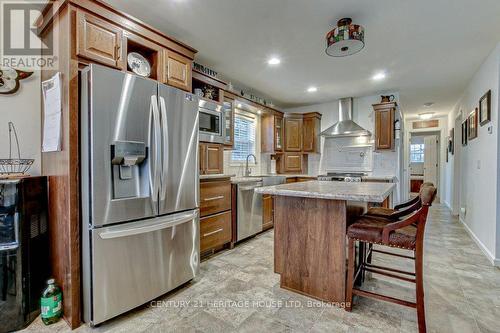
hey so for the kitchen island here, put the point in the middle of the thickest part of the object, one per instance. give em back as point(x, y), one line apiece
point(310, 221)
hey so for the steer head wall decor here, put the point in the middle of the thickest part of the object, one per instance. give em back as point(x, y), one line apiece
point(9, 80)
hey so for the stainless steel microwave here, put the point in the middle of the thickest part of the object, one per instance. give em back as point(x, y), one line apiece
point(211, 122)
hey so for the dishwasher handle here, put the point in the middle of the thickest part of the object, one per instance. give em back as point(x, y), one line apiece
point(250, 187)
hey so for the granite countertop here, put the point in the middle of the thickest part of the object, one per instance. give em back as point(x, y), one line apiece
point(242, 179)
point(389, 178)
point(363, 192)
point(217, 176)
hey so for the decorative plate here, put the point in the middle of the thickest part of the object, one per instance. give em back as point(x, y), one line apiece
point(138, 64)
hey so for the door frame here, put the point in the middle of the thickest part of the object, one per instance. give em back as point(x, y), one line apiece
point(439, 132)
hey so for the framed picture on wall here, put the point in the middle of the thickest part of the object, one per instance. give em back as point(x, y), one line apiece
point(473, 123)
point(485, 108)
point(465, 132)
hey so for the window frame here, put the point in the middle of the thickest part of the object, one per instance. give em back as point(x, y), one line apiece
point(417, 149)
point(254, 118)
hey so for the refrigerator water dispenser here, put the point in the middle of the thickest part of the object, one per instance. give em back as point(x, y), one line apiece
point(129, 174)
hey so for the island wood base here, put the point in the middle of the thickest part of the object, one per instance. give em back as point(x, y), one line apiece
point(310, 246)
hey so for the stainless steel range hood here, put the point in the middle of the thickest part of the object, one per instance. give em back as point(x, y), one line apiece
point(345, 127)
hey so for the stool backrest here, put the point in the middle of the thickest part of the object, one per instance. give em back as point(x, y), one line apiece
point(427, 196)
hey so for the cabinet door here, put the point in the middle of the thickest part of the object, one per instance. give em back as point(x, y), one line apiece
point(267, 212)
point(229, 122)
point(384, 129)
point(99, 40)
point(293, 134)
point(293, 163)
point(214, 158)
point(278, 133)
point(215, 230)
point(177, 70)
point(201, 157)
point(309, 134)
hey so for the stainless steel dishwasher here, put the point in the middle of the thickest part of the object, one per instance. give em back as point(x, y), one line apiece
point(249, 206)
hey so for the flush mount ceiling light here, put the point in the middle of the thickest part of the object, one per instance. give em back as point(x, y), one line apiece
point(312, 89)
point(426, 115)
point(428, 104)
point(274, 61)
point(345, 39)
point(239, 105)
point(379, 76)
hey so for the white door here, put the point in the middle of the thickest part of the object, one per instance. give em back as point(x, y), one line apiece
point(431, 159)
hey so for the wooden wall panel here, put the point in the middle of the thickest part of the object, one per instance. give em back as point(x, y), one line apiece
point(309, 246)
point(62, 169)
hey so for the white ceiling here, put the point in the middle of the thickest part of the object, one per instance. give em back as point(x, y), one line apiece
point(429, 48)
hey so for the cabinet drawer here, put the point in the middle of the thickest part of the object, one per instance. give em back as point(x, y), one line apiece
point(215, 230)
point(215, 197)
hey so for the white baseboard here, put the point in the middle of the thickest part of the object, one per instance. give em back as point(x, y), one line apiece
point(491, 258)
point(447, 205)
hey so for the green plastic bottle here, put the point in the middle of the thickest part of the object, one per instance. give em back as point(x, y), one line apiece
point(51, 303)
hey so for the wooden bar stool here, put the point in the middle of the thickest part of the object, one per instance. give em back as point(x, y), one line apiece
point(408, 234)
point(403, 209)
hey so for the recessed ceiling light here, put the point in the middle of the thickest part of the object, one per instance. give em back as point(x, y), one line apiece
point(379, 76)
point(239, 105)
point(426, 115)
point(312, 89)
point(274, 61)
point(259, 111)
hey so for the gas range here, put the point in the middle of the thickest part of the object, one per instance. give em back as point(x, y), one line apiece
point(343, 177)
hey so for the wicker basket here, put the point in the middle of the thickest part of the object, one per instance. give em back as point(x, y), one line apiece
point(14, 166)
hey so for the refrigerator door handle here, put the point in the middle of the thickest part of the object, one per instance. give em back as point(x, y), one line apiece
point(154, 178)
point(165, 148)
point(167, 223)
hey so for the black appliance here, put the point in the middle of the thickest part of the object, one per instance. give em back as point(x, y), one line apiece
point(24, 250)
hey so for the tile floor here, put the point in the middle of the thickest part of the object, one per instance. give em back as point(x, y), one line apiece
point(237, 291)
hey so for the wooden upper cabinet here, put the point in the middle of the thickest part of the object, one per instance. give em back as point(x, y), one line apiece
point(293, 133)
point(177, 69)
point(311, 129)
point(272, 132)
point(278, 133)
point(228, 122)
point(99, 40)
point(384, 125)
point(211, 158)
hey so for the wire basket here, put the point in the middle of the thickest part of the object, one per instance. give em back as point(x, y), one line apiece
point(14, 166)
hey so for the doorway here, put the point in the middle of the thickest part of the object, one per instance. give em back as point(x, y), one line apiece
point(424, 160)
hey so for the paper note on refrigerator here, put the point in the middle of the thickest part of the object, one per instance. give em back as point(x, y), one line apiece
point(52, 116)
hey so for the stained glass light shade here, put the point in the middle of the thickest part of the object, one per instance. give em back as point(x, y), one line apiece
point(345, 39)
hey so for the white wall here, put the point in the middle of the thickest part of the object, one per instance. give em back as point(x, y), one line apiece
point(23, 109)
point(478, 162)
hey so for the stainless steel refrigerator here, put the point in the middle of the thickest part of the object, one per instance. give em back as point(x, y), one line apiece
point(139, 186)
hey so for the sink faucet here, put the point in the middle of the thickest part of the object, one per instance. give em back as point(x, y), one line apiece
point(247, 170)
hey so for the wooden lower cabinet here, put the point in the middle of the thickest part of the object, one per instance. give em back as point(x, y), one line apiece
point(215, 230)
point(215, 197)
point(415, 185)
point(216, 214)
point(267, 212)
